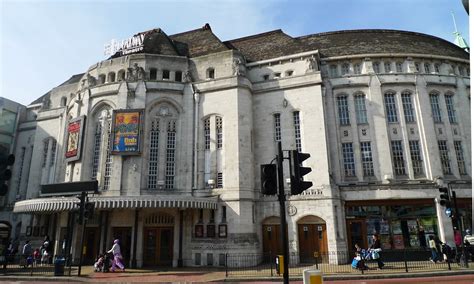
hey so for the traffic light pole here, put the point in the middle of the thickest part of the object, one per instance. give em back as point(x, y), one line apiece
point(84, 223)
point(283, 230)
point(458, 225)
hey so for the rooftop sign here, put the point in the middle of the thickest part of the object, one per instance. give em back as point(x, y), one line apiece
point(126, 46)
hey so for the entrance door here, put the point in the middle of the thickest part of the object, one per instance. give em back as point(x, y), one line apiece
point(91, 242)
point(271, 240)
point(357, 234)
point(124, 234)
point(312, 239)
point(158, 246)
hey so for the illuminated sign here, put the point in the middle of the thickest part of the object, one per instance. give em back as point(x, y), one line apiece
point(75, 129)
point(126, 46)
point(126, 136)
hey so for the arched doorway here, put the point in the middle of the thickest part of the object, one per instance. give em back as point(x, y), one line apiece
point(158, 240)
point(312, 237)
point(271, 237)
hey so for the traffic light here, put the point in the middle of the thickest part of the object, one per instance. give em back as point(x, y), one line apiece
point(5, 172)
point(89, 210)
point(81, 204)
point(297, 171)
point(268, 176)
point(445, 198)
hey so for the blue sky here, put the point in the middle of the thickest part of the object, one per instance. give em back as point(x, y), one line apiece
point(43, 43)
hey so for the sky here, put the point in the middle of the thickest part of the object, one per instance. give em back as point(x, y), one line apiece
point(43, 43)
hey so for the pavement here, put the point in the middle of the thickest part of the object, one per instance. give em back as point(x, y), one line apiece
point(192, 275)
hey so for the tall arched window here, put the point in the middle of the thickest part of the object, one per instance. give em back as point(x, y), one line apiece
point(49, 160)
point(111, 77)
point(213, 151)
point(101, 159)
point(162, 147)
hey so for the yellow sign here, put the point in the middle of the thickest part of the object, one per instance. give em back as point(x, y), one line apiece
point(315, 279)
point(316, 254)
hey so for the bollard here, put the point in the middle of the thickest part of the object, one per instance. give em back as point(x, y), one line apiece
point(312, 276)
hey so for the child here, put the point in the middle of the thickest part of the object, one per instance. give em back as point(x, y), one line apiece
point(99, 263)
point(36, 256)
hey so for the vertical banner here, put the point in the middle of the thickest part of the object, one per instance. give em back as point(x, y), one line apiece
point(126, 135)
point(75, 130)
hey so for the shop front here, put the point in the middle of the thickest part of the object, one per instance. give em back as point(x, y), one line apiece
point(401, 224)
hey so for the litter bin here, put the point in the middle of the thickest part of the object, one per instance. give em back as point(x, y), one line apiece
point(59, 266)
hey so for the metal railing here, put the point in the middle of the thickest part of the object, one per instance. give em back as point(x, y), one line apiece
point(28, 266)
point(339, 262)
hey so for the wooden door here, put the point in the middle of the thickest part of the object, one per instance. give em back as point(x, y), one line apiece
point(124, 235)
point(312, 240)
point(158, 246)
point(356, 234)
point(271, 240)
point(90, 249)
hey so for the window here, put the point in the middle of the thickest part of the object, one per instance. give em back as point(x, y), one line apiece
point(436, 67)
point(416, 160)
point(166, 74)
point(345, 69)
point(333, 70)
point(153, 73)
point(388, 67)
point(296, 120)
point(343, 110)
point(20, 170)
point(408, 107)
point(210, 73)
point(45, 152)
point(220, 181)
point(96, 150)
point(444, 157)
point(348, 159)
point(390, 107)
point(397, 156)
point(53, 153)
point(108, 159)
point(450, 108)
point(277, 75)
point(266, 77)
point(63, 101)
point(178, 76)
point(224, 214)
point(376, 66)
point(277, 126)
point(399, 66)
point(460, 157)
point(361, 111)
point(207, 134)
point(435, 109)
point(366, 155)
point(357, 68)
point(121, 75)
point(417, 66)
point(153, 156)
point(462, 71)
point(427, 68)
point(219, 132)
point(102, 79)
point(289, 73)
point(468, 71)
point(170, 155)
point(111, 77)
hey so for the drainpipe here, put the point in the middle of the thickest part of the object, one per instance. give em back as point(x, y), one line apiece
point(195, 138)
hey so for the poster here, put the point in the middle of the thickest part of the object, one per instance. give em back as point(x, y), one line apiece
point(414, 241)
point(385, 242)
point(398, 242)
point(126, 136)
point(384, 227)
point(412, 227)
point(396, 227)
point(74, 132)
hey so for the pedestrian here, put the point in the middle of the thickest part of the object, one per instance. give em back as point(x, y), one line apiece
point(434, 250)
point(441, 255)
point(458, 243)
point(115, 250)
point(26, 253)
point(375, 249)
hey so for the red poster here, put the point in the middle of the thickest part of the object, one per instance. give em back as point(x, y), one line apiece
point(74, 139)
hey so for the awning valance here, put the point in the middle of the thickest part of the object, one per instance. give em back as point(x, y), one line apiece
point(58, 204)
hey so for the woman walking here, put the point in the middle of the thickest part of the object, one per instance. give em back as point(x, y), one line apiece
point(434, 250)
point(115, 250)
point(377, 247)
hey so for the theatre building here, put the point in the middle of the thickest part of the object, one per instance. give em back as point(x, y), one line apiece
point(174, 129)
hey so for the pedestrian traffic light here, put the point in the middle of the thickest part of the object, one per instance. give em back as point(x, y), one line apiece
point(268, 177)
point(445, 197)
point(297, 172)
point(81, 204)
point(89, 210)
point(5, 173)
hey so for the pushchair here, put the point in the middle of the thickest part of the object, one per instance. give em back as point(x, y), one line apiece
point(449, 252)
point(107, 262)
point(358, 262)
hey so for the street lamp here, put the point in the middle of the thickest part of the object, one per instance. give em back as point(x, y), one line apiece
point(448, 195)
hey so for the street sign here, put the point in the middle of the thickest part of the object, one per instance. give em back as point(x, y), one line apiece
point(449, 212)
point(69, 188)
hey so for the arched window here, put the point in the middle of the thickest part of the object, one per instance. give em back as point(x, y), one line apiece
point(48, 160)
point(360, 108)
point(111, 77)
point(63, 101)
point(345, 68)
point(210, 73)
point(101, 159)
point(121, 75)
point(162, 150)
point(357, 68)
point(213, 147)
point(102, 79)
point(390, 106)
point(408, 110)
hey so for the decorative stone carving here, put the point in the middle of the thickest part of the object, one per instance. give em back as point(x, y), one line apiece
point(394, 131)
point(311, 64)
point(238, 67)
point(364, 132)
point(455, 131)
point(135, 73)
point(164, 111)
point(91, 81)
point(187, 76)
point(45, 103)
point(346, 133)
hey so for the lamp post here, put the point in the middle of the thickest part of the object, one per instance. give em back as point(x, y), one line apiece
point(455, 218)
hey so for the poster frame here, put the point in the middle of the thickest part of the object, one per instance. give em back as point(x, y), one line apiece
point(140, 132)
point(80, 139)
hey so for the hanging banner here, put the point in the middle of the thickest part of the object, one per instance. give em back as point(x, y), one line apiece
point(75, 130)
point(126, 135)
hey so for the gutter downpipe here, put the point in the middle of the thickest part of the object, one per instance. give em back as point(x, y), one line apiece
point(195, 135)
